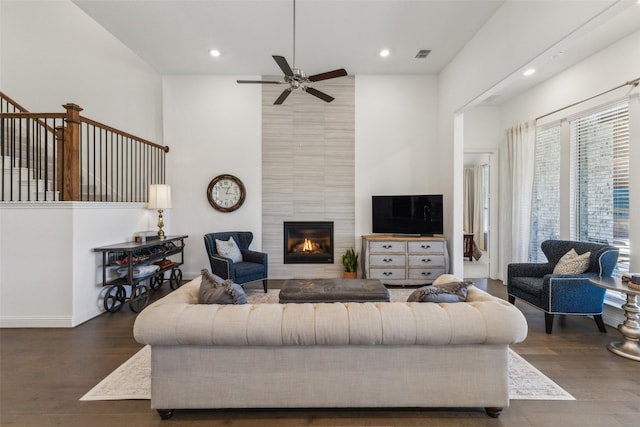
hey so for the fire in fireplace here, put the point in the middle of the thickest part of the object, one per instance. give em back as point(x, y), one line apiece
point(308, 242)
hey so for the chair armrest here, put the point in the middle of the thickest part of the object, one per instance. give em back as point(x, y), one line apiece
point(572, 293)
point(527, 269)
point(221, 266)
point(254, 256)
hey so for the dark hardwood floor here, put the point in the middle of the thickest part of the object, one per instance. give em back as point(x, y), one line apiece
point(45, 371)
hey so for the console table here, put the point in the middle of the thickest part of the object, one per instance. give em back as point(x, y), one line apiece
point(630, 328)
point(132, 256)
point(401, 260)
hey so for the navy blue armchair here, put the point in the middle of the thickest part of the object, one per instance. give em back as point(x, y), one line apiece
point(563, 293)
point(252, 267)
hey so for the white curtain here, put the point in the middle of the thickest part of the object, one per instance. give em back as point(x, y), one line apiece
point(469, 193)
point(516, 169)
point(478, 208)
point(473, 216)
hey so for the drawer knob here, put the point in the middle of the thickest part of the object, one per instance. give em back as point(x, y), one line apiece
point(426, 260)
point(425, 246)
point(425, 273)
point(387, 273)
point(387, 260)
point(387, 246)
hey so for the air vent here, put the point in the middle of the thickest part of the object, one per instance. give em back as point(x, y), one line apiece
point(423, 53)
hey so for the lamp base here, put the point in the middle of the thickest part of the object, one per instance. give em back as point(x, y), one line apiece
point(160, 225)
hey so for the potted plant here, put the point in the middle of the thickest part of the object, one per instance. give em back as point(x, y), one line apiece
point(350, 262)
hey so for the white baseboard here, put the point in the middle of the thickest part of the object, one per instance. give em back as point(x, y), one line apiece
point(36, 322)
point(612, 316)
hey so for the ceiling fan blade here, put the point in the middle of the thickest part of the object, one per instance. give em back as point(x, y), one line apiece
point(271, 82)
point(328, 75)
point(282, 96)
point(317, 93)
point(283, 64)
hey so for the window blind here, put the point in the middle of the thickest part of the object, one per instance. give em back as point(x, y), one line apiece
point(545, 209)
point(600, 178)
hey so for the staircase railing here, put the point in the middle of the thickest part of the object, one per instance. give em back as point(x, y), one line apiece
point(65, 156)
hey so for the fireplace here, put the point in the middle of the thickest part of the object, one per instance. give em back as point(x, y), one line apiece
point(308, 242)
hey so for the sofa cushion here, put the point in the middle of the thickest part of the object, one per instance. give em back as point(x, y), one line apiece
point(444, 292)
point(229, 249)
point(213, 291)
point(572, 263)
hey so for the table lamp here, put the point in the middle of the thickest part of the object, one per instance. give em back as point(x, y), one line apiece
point(159, 198)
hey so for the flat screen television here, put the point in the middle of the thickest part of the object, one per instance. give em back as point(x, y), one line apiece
point(417, 214)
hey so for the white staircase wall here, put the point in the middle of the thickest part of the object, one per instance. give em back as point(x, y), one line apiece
point(49, 274)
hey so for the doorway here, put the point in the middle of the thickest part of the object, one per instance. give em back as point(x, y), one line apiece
point(477, 214)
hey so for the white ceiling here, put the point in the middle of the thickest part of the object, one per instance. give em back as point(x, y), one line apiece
point(175, 36)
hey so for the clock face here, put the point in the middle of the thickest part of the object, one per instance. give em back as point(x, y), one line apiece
point(226, 193)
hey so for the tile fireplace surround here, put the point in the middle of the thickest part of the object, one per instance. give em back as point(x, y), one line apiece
point(308, 171)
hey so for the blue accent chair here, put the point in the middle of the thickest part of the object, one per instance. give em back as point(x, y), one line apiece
point(572, 294)
point(253, 266)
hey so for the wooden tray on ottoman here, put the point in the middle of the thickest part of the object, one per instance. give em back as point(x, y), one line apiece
point(333, 290)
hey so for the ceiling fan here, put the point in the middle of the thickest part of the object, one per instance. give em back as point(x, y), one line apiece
point(295, 77)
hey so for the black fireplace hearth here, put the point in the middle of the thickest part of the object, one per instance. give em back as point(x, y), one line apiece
point(308, 242)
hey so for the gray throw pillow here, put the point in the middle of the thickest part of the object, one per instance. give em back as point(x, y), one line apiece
point(572, 263)
point(215, 292)
point(446, 292)
point(229, 249)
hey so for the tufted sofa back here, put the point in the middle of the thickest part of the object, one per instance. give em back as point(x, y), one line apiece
point(177, 319)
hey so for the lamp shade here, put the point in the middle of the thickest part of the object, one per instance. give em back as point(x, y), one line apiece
point(159, 196)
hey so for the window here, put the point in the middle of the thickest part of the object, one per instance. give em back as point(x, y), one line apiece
point(598, 188)
point(600, 179)
point(545, 209)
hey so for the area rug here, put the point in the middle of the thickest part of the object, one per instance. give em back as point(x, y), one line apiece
point(132, 379)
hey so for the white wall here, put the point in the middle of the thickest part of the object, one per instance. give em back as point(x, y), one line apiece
point(214, 127)
point(397, 149)
point(52, 53)
point(605, 70)
point(49, 274)
point(500, 49)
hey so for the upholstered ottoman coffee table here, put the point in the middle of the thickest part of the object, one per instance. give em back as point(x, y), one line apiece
point(333, 290)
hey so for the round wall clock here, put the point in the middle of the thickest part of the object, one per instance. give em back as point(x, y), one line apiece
point(226, 193)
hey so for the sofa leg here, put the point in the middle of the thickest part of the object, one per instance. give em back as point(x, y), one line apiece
point(600, 323)
point(165, 414)
point(265, 285)
point(494, 412)
point(512, 299)
point(548, 322)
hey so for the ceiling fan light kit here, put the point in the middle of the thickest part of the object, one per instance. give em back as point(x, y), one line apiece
point(296, 77)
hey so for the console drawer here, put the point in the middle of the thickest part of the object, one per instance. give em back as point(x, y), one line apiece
point(429, 274)
point(384, 247)
point(426, 261)
point(384, 261)
point(383, 274)
point(429, 247)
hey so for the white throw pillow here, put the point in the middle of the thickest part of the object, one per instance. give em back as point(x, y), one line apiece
point(572, 263)
point(229, 249)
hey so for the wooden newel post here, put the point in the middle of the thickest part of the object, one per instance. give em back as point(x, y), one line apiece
point(71, 154)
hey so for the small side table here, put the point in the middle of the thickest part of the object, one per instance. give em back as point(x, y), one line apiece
point(630, 328)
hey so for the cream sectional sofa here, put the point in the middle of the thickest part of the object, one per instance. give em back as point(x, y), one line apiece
point(330, 354)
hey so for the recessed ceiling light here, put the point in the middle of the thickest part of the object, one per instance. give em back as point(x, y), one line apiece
point(214, 52)
point(529, 72)
point(384, 53)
